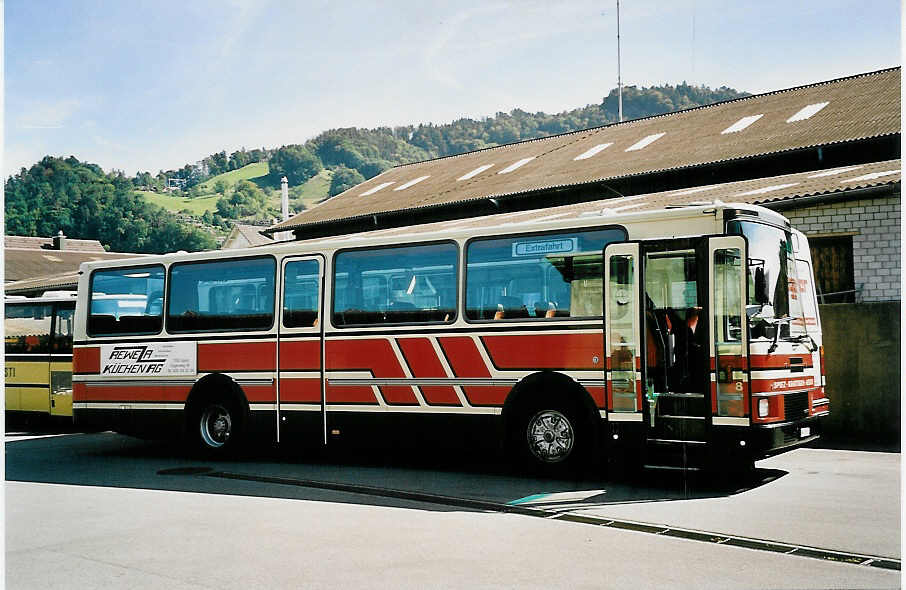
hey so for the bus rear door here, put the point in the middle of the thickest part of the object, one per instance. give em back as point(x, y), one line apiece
point(300, 391)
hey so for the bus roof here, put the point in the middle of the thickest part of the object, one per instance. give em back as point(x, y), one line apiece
point(591, 214)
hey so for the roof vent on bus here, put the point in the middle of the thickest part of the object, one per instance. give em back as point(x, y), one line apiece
point(715, 202)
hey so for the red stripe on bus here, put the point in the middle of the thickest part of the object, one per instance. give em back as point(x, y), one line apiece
point(300, 355)
point(549, 351)
point(423, 362)
point(260, 393)
point(359, 394)
point(86, 360)
point(464, 357)
point(375, 355)
point(597, 394)
point(486, 396)
point(300, 390)
point(779, 361)
point(232, 356)
point(138, 394)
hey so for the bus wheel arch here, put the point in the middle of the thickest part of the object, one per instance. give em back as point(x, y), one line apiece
point(217, 415)
point(548, 423)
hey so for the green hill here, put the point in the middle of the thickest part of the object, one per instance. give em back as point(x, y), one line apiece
point(302, 197)
point(175, 203)
point(251, 172)
point(312, 192)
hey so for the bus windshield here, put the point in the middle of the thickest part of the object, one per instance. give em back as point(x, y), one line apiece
point(771, 269)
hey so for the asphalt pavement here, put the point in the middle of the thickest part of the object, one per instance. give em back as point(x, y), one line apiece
point(101, 510)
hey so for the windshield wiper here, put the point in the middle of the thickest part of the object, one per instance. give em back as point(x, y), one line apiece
point(807, 339)
point(776, 322)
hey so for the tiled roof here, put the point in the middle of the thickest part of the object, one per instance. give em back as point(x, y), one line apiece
point(64, 281)
point(849, 109)
point(769, 192)
point(21, 263)
point(34, 243)
point(250, 234)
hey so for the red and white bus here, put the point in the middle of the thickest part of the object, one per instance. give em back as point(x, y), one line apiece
point(683, 331)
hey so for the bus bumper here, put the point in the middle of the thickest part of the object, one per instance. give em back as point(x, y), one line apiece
point(765, 440)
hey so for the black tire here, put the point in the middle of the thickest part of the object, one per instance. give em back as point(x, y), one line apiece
point(216, 427)
point(549, 438)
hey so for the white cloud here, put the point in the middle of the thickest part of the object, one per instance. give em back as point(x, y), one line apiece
point(48, 114)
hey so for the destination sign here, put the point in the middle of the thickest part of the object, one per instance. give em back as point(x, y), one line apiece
point(544, 247)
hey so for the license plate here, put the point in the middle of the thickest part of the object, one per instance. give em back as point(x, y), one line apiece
point(805, 431)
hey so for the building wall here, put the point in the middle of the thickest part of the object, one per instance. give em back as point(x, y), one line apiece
point(874, 225)
point(862, 361)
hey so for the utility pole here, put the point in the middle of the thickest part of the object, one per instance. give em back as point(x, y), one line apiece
point(619, 75)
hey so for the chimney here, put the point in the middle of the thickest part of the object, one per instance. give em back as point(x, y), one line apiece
point(284, 197)
point(59, 241)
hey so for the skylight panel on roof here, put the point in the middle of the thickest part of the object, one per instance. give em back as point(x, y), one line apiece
point(767, 189)
point(692, 191)
point(871, 176)
point(833, 172)
point(376, 189)
point(645, 142)
point(515, 165)
point(411, 182)
point(591, 152)
point(741, 124)
point(475, 172)
point(807, 112)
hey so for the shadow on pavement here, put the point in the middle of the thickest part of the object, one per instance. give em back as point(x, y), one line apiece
point(442, 479)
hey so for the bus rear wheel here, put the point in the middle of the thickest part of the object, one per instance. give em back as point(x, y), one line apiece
point(217, 427)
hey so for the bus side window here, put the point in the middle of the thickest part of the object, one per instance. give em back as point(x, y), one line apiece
point(398, 285)
point(62, 337)
point(27, 329)
point(221, 295)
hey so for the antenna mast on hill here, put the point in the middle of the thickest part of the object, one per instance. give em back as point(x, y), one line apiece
point(619, 76)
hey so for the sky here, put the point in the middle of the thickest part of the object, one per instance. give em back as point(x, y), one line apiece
point(141, 85)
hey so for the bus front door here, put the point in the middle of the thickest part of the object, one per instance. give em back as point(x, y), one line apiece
point(301, 410)
point(675, 366)
point(61, 360)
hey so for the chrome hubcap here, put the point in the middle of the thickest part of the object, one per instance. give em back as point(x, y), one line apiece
point(216, 426)
point(550, 436)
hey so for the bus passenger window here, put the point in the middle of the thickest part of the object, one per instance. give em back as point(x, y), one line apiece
point(27, 329)
point(400, 285)
point(555, 275)
point(221, 295)
point(126, 301)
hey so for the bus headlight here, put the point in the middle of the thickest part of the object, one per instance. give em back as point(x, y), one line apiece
point(762, 408)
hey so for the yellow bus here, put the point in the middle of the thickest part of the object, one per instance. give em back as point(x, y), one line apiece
point(38, 362)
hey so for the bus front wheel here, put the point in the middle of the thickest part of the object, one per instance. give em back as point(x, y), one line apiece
point(549, 438)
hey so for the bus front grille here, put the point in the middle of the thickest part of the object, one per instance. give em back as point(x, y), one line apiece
point(795, 406)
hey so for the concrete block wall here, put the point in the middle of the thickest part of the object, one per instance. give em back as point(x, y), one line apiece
point(874, 224)
point(862, 361)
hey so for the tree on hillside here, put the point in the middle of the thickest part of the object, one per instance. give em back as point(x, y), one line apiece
point(369, 151)
point(656, 100)
point(77, 198)
point(247, 201)
point(295, 162)
point(343, 179)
